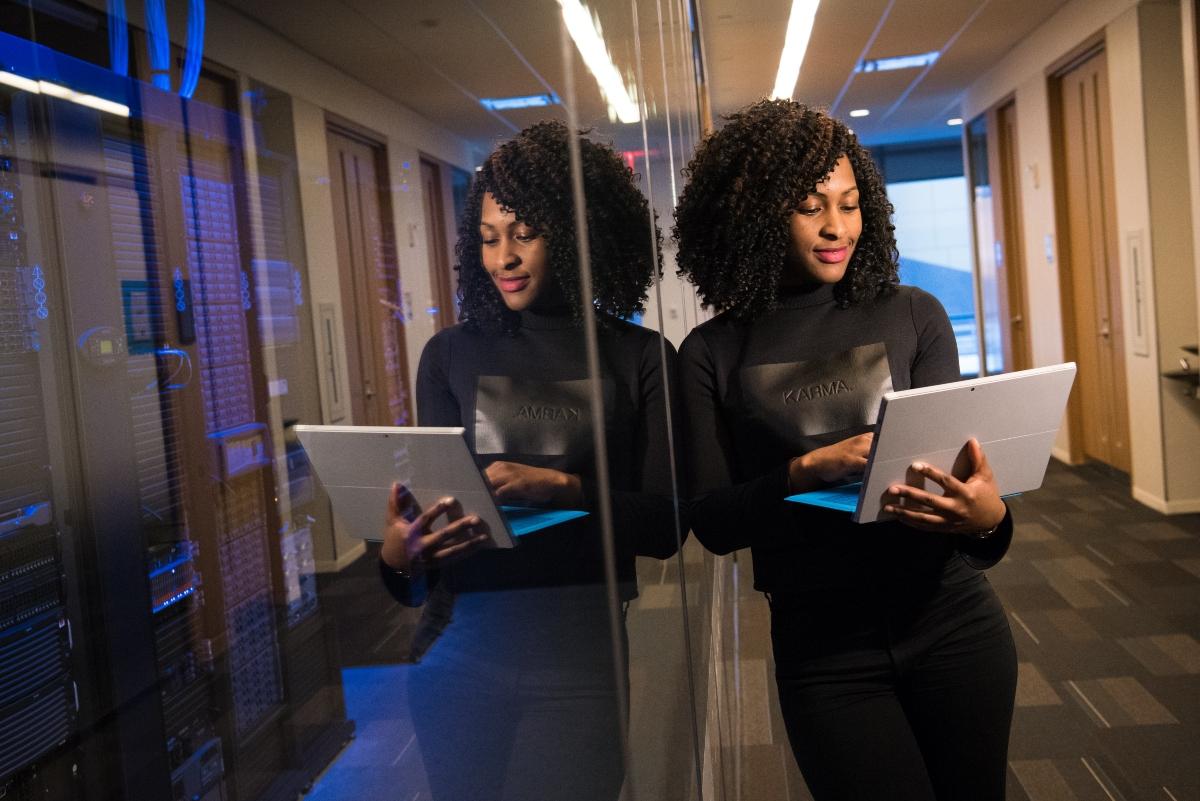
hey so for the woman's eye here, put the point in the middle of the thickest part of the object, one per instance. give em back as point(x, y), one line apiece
point(527, 237)
point(487, 242)
point(849, 208)
point(811, 210)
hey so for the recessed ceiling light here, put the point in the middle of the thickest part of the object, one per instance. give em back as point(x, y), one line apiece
point(860, 112)
point(954, 121)
point(525, 101)
point(799, 30)
point(897, 62)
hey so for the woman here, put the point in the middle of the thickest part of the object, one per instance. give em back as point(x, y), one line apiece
point(894, 662)
point(518, 697)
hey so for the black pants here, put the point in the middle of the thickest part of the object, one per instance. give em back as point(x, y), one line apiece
point(912, 701)
point(517, 700)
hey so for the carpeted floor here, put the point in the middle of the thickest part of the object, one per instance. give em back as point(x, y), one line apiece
point(1103, 596)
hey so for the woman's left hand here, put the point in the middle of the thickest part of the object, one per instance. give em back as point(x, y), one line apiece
point(517, 483)
point(967, 507)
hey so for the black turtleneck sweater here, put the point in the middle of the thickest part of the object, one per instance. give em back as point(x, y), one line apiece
point(755, 394)
point(523, 397)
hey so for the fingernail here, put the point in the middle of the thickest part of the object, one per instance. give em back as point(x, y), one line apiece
point(894, 490)
point(918, 465)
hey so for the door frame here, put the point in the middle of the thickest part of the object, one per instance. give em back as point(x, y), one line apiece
point(1092, 47)
point(380, 402)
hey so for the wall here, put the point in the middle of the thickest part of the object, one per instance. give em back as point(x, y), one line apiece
point(1191, 92)
point(1171, 239)
point(1162, 432)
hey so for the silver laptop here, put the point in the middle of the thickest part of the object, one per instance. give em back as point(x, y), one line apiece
point(1015, 417)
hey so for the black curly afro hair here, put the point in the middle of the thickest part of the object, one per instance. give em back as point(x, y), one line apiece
point(530, 175)
point(744, 183)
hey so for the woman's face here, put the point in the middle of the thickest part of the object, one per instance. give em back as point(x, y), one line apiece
point(825, 230)
point(514, 255)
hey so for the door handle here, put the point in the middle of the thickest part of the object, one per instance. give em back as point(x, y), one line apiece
point(1104, 330)
point(1016, 319)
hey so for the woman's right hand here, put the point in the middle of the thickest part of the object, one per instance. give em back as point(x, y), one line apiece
point(412, 545)
point(833, 464)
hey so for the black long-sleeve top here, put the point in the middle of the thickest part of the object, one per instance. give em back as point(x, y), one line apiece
point(756, 394)
point(524, 397)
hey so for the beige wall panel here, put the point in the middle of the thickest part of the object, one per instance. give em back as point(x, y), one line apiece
point(1133, 217)
point(1171, 239)
point(1041, 237)
point(1191, 94)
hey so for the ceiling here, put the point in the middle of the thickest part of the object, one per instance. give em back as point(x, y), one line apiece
point(440, 59)
point(905, 105)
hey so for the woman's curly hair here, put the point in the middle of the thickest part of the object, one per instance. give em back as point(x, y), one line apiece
point(530, 175)
point(745, 182)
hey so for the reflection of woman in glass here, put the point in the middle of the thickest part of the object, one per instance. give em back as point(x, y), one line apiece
point(894, 662)
point(518, 697)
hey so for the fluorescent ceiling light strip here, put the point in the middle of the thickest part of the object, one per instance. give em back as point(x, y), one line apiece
point(860, 112)
point(585, 32)
point(954, 121)
point(799, 30)
point(898, 62)
point(99, 103)
point(19, 82)
point(527, 101)
point(91, 101)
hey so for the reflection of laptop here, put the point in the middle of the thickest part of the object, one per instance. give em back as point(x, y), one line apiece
point(357, 465)
point(1015, 417)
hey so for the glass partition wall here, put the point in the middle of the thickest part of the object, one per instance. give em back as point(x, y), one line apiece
point(219, 225)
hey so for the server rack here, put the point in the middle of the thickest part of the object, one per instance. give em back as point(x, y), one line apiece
point(222, 679)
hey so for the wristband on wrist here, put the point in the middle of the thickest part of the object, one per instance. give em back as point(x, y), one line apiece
point(408, 573)
point(983, 535)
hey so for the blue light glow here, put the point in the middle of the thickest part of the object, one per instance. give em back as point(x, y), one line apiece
point(897, 62)
point(158, 42)
point(174, 599)
point(169, 566)
point(39, 292)
point(246, 303)
point(180, 295)
point(195, 49)
point(118, 37)
point(528, 101)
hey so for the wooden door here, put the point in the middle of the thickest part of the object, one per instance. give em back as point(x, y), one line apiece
point(1015, 332)
point(377, 362)
point(441, 285)
point(1091, 283)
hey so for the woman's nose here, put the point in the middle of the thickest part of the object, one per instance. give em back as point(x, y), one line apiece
point(834, 225)
point(509, 258)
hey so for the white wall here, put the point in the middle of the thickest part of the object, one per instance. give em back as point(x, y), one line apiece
point(1161, 457)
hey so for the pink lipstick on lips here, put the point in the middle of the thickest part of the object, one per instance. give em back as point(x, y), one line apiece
point(513, 284)
point(832, 256)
